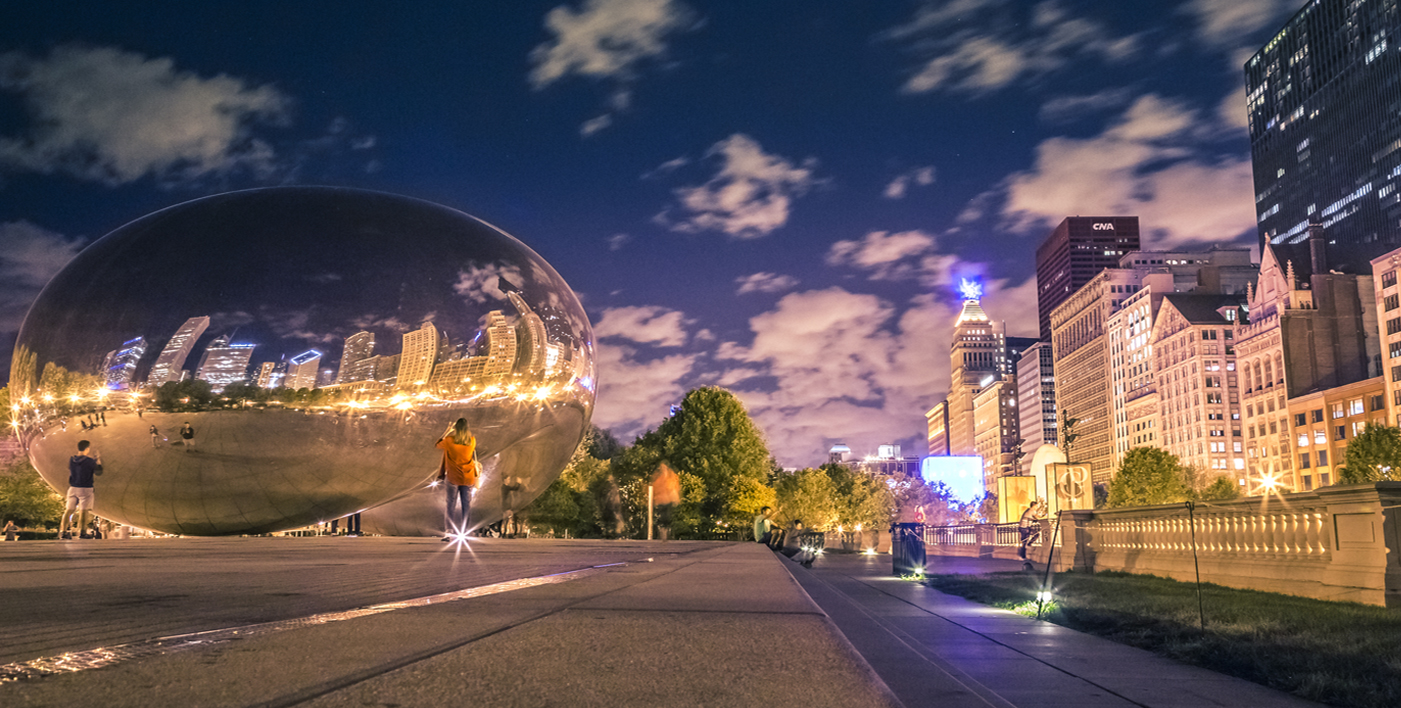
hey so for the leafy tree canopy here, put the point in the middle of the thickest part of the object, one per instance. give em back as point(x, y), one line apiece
point(1373, 456)
point(1148, 476)
point(25, 498)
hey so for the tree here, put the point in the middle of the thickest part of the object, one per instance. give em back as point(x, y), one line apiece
point(1373, 456)
point(808, 495)
point(711, 438)
point(604, 446)
point(1221, 489)
point(1148, 476)
point(26, 498)
point(862, 499)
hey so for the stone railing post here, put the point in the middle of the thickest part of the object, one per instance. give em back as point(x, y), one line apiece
point(1361, 534)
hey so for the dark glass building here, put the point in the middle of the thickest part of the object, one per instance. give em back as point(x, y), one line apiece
point(1075, 252)
point(1324, 104)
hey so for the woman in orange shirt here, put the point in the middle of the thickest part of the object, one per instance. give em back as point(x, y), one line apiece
point(459, 476)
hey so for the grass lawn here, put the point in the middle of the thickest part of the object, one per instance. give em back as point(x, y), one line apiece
point(1339, 653)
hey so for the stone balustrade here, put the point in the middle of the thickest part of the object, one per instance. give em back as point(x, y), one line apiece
point(1334, 543)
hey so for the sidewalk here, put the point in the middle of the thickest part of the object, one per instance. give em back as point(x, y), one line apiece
point(934, 649)
point(662, 624)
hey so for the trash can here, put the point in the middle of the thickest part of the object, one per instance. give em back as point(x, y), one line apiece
point(907, 548)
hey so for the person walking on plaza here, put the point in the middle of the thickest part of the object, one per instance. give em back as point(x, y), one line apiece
point(459, 473)
point(1029, 526)
point(155, 437)
point(82, 467)
point(11, 531)
point(666, 494)
point(188, 433)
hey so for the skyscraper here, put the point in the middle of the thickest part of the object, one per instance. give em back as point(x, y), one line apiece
point(358, 347)
point(977, 355)
point(224, 362)
point(419, 355)
point(531, 331)
point(120, 367)
point(1075, 252)
point(302, 370)
point(172, 358)
point(501, 347)
point(1325, 135)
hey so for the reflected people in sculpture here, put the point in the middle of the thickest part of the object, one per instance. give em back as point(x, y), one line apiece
point(305, 342)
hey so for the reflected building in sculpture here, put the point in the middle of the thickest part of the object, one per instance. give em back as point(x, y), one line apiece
point(419, 355)
point(224, 363)
point(171, 362)
point(302, 370)
point(519, 366)
point(119, 368)
point(358, 348)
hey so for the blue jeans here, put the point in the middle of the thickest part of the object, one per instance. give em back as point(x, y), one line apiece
point(455, 520)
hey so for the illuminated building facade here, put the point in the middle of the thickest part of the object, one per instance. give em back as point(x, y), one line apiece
point(995, 423)
point(1310, 329)
point(977, 356)
point(530, 345)
point(1080, 350)
point(1387, 296)
point(224, 362)
point(358, 347)
point(1036, 401)
point(303, 370)
point(938, 426)
point(1194, 350)
point(1075, 252)
point(1325, 135)
point(500, 346)
point(1324, 422)
point(419, 355)
point(120, 368)
point(171, 362)
point(265, 377)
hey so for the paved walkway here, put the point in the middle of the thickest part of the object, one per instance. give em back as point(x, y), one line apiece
point(676, 624)
point(934, 649)
point(274, 622)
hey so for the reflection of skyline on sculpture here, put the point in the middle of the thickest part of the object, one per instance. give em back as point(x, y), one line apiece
point(339, 331)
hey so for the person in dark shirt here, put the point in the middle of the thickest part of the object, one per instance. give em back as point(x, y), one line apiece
point(82, 467)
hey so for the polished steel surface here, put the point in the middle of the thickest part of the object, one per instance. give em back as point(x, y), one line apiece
point(395, 316)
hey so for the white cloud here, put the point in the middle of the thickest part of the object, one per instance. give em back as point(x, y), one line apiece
point(1149, 162)
point(593, 125)
point(887, 255)
point(606, 40)
point(919, 176)
point(1064, 109)
point(1228, 23)
point(617, 241)
point(481, 284)
point(644, 325)
point(29, 256)
point(112, 116)
point(980, 46)
point(749, 197)
point(633, 394)
point(764, 283)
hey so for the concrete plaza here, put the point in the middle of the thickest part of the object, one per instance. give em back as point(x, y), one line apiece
point(335, 621)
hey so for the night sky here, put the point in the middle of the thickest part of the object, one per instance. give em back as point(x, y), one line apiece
point(777, 197)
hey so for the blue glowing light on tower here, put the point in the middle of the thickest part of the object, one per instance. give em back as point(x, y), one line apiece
point(971, 289)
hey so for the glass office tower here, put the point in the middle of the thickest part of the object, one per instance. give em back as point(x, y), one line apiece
point(1324, 105)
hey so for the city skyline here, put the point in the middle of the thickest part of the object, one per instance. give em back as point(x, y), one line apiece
point(786, 213)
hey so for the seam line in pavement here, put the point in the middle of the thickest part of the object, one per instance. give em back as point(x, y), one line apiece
point(1033, 657)
point(344, 682)
point(72, 662)
point(982, 692)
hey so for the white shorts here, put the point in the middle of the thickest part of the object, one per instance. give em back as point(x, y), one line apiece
point(80, 498)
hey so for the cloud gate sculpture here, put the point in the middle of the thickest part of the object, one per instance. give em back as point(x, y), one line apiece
point(318, 341)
